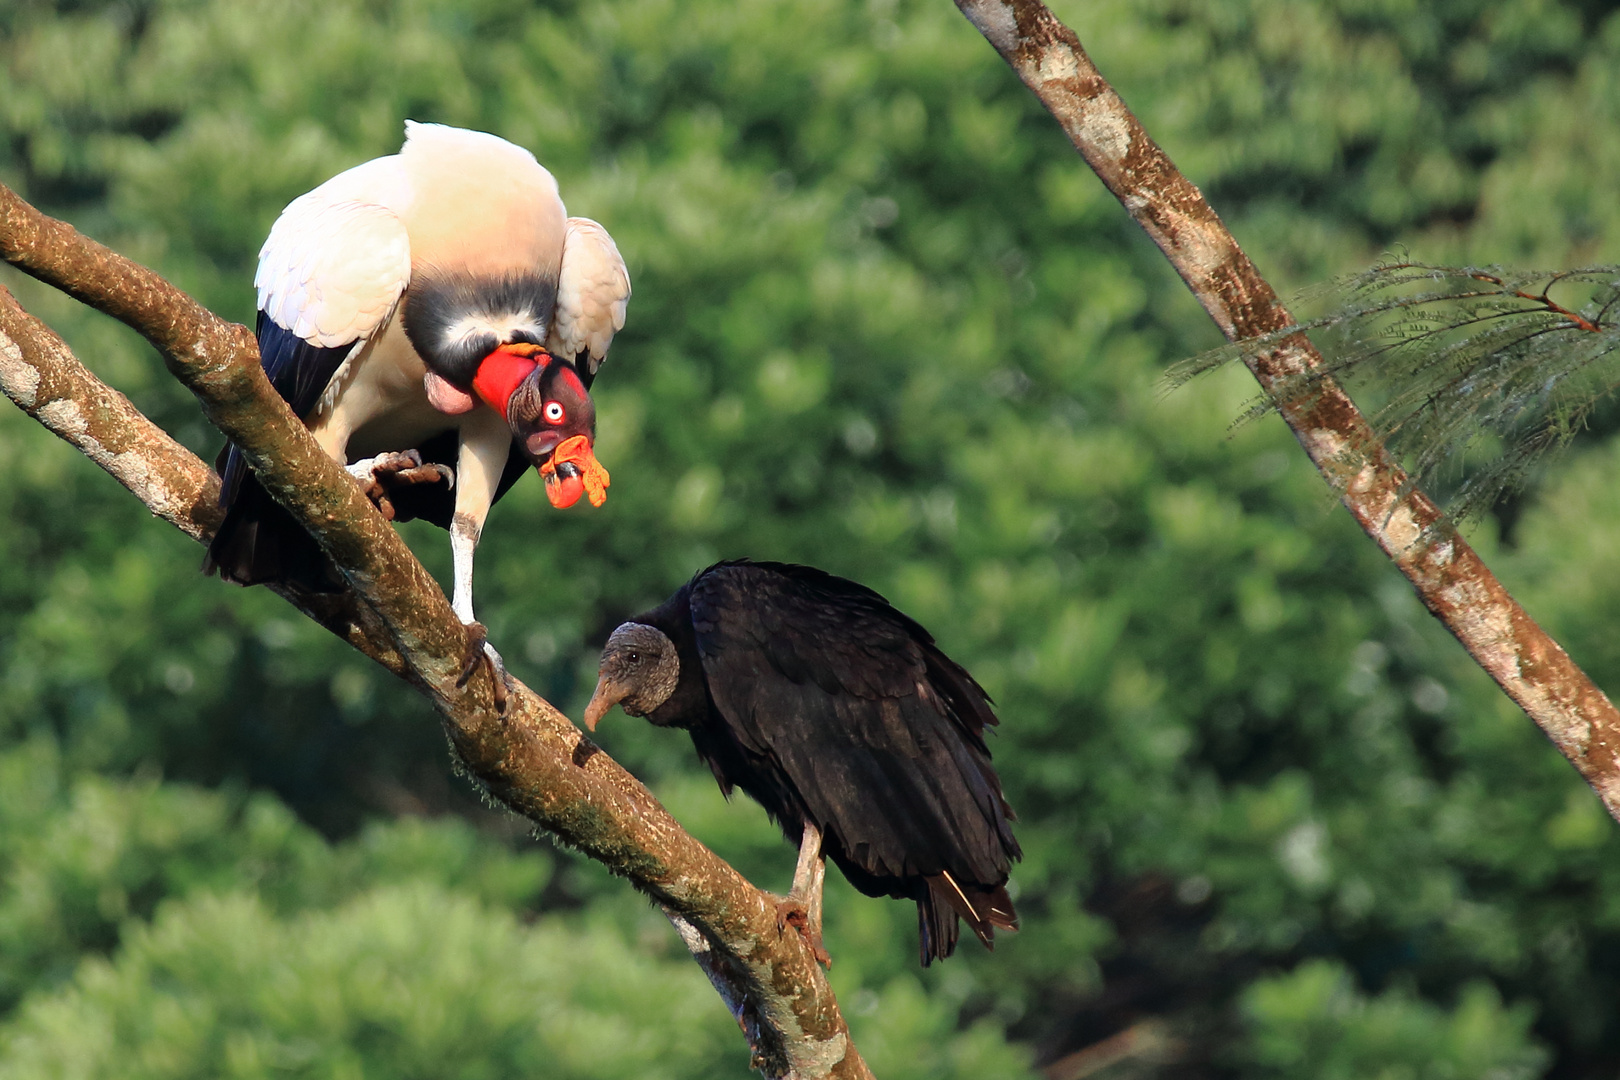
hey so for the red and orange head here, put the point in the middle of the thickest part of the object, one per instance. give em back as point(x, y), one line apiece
point(551, 415)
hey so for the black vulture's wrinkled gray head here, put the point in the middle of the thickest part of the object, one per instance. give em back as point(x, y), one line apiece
point(638, 673)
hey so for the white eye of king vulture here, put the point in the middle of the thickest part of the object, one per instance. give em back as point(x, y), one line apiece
point(430, 310)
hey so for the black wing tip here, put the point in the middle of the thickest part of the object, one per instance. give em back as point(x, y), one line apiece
point(300, 370)
point(260, 543)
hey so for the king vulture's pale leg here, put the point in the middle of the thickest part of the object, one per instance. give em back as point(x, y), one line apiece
point(802, 905)
point(486, 442)
point(332, 432)
point(463, 542)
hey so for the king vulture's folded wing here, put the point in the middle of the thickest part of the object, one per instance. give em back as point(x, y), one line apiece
point(331, 272)
point(592, 293)
point(330, 275)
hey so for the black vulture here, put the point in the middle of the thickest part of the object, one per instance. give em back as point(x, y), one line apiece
point(841, 717)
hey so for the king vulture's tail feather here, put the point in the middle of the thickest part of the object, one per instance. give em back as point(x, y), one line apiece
point(259, 542)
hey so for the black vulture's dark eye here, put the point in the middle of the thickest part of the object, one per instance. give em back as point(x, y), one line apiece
point(635, 658)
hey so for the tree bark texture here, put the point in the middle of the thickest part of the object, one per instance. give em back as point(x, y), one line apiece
point(1449, 576)
point(530, 757)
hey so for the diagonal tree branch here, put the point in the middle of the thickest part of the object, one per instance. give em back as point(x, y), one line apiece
point(43, 378)
point(530, 757)
point(1449, 576)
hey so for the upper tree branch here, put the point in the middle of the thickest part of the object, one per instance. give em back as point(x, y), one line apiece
point(531, 757)
point(1449, 576)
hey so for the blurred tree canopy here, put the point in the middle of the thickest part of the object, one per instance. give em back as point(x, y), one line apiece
point(885, 322)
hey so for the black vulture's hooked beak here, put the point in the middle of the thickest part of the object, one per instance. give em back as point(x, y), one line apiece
point(609, 692)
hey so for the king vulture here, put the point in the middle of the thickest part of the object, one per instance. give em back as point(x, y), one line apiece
point(433, 315)
point(846, 722)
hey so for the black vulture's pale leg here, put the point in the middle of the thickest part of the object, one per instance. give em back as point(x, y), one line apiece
point(802, 906)
point(809, 876)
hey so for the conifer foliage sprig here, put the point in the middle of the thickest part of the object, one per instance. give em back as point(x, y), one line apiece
point(1471, 374)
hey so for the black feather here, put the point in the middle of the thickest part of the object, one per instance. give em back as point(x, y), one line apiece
point(437, 300)
point(258, 540)
point(584, 365)
point(828, 706)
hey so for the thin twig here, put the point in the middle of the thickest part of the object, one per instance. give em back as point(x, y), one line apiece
point(1542, 298)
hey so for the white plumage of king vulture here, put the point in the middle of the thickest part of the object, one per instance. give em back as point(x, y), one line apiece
point(429, 310)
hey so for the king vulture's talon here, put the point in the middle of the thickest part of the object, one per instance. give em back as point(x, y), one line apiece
point(397, 461)
point(477, 640)
point(790, 911)
point(431, 473)
point(370, 472)
point(497, 673)
point(378, 476)
point(480, 652)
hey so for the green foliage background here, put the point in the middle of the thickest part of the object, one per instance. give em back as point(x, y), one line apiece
point(885, 322)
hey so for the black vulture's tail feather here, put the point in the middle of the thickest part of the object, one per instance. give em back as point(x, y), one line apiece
point(986, 908)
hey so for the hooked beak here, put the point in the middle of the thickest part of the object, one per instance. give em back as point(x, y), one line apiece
point(608, 694)
point(572, 471)
point(542, 443)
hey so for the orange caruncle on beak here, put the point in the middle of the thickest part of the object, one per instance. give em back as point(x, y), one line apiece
point(586, 476)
